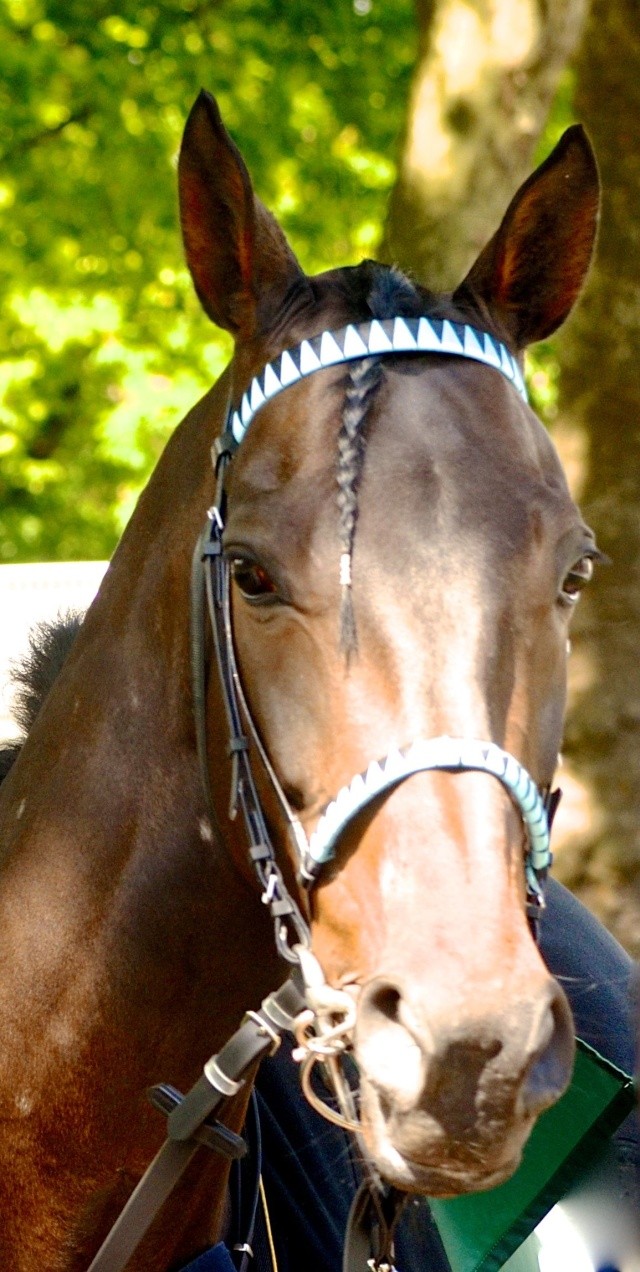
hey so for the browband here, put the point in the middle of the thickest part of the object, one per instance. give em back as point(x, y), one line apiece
point(369, 339)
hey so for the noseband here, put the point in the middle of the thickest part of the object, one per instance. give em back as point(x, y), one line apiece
point(330, 348)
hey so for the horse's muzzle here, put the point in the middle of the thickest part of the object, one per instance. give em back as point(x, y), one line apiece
point(448, 1101)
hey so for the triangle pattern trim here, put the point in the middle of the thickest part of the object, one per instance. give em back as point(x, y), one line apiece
point(377, 337)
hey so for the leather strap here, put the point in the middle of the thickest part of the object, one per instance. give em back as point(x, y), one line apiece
point(373, 1217)
point(223, 1075)
point(245, 1192)
point(289, 925)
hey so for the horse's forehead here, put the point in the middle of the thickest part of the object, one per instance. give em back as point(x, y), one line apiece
point(291, 434)
point(446, 404)
point(432, 419)
point(468, 421)
point(456, 453)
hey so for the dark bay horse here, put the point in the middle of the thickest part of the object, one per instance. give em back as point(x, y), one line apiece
point(404, 559)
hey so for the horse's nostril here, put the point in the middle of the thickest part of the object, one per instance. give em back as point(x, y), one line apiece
point(550, 1069)
point(385, 1001)
point(493, 1049)
point(517, 1059)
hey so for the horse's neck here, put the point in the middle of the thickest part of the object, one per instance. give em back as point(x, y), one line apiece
point(130, 944)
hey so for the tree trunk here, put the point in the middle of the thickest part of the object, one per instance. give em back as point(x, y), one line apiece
point(485, 78)
point(600, 398)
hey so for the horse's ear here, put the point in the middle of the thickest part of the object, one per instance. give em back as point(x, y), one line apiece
point(240, 261)
point(531, 272)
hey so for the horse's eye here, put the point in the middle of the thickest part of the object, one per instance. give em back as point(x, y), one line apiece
point(579, 575)
point(252, 580)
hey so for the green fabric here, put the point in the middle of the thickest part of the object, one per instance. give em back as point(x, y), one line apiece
point(481, 1231)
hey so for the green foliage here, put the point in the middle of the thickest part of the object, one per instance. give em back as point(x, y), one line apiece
point(543, 362)
point(104, 346)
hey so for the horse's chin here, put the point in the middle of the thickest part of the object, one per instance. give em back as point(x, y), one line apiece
point(431, 1165)
point(445, 1180)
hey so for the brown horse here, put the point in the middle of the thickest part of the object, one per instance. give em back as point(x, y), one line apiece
point(431, 600)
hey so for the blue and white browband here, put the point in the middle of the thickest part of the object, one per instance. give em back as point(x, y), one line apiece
point(369, 339)
point(453, 755)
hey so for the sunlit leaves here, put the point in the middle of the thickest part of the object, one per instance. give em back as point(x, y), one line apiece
point(104, 345)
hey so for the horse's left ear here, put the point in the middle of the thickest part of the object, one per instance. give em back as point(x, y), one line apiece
point(239, 259)
point(531, 272)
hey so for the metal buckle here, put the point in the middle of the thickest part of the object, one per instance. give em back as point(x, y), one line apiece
point(266, 1030)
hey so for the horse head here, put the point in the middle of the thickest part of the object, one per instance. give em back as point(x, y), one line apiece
point(404, 558)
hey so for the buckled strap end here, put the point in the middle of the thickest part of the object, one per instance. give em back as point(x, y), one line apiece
point(282, 1007)
point(236, 747)
point(188, 1116)
point(260, 852)
point(211, 548)
point(219, 1079)
point(551, 801)
point(222, 449)
point(280, 907)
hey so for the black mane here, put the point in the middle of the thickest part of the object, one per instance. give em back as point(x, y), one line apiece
point(35, 674)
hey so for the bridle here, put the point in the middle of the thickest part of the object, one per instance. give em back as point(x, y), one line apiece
point(321, 1017)
point(379, 337)
point(324, 1030)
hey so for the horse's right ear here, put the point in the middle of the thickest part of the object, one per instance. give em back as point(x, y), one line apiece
point(241, 264)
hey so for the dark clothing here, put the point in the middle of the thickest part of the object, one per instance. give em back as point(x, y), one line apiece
point(595, 973)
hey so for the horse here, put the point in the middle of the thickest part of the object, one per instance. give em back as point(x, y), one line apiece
point(398, 560)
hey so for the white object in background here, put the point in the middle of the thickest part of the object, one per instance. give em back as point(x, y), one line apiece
point(28, 595)
point(561, 1247)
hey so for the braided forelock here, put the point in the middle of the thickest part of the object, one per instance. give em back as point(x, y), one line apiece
point(362, 381)
point(388, 293)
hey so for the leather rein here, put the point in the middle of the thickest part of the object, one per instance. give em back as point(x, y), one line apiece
point(321, 1017)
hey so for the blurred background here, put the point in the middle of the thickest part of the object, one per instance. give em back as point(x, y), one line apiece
point(390, 128)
